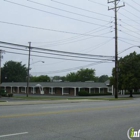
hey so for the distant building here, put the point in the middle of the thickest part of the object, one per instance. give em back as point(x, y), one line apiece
point(56, 88)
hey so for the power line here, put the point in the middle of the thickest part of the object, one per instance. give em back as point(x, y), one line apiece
point(98, 46)
point(74, 37)
point(129, 18)
point(126, 42)
point(53, 57)
point(69, 42)
point(66, 11)
point(131, 13)
point(133, 7)
point(130, 34)
point(130, 30)
point(79, 8)
point(57, 51)
point(56, 54)
point(135, 2)
point(40, 28)
point(52, 13)
point(130, 25)
point(70, 69)
point(97, 3)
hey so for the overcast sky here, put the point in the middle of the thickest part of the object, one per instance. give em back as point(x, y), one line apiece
point(94, 19)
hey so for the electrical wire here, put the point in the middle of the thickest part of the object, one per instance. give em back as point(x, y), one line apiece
point(53, 13)
point(97, 3)
point(66, 11)
point(69, 42)
point(57, 51)
point(53, 57)
point(74, 37)
point(135, 2)
point(40, 28)
point(75, 68)
point(79, 8)
point(54, 54)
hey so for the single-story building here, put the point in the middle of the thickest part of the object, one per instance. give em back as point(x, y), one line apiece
point(56, 88)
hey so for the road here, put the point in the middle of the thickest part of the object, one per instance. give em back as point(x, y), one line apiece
point(100, 120)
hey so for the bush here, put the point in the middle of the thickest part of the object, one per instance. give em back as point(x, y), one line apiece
point(135, 93)
point(83, 93)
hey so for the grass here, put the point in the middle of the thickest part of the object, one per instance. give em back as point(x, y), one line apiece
point(38, 98)
point(61, 98)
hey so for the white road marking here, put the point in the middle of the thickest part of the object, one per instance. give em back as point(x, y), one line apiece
point(15, 134)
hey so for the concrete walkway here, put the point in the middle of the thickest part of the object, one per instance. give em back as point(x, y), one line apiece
point(11, 103)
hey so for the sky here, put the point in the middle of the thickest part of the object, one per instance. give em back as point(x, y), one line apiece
point(79, 26)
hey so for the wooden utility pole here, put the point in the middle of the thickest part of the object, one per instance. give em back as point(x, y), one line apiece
point(116, 8)
point(28, 72)
point(0, 67)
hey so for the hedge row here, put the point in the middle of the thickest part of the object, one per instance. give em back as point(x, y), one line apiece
point(85, 93)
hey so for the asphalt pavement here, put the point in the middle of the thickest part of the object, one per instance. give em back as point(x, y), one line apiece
point(102, 120)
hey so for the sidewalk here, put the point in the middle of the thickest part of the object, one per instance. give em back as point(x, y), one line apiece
point(45, 102)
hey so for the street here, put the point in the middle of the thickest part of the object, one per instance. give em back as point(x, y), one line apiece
point(100, 120)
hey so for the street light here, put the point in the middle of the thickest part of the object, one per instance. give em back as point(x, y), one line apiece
point(128, 49)
point(37, 62)
point(28, 77)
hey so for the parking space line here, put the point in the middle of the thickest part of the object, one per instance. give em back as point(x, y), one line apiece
point(15, 134)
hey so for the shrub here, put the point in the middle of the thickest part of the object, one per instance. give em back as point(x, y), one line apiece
point(83, 93)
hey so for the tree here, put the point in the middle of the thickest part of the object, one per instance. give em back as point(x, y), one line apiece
point(129, 73)
point(86, 75)
point(42, 78)
point(82, 75)
point(14, 72)
point(71, 77)
point(103, 78)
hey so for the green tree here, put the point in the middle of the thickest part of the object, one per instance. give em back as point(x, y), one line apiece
point(42, 78)
point(71, 77)
point(81, 75)
point(14, 72)
point(129, 73)
point(85, 75)
point(103, 78)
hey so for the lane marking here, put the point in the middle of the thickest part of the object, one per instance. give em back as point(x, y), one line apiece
point(15, 134)
point(68, 111)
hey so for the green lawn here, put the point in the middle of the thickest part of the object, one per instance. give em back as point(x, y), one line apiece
point(76, 98)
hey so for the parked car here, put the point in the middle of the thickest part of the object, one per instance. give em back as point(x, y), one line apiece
point(5, 94)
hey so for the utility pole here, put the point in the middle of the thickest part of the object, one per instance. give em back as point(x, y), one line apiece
point(28, 72)
point(116, 8)
point(1, 51)
point(0, 67)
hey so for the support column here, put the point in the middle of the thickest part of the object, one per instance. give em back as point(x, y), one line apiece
point(25, 89)
point(11, 89)
point(89, 90)
point(112, 90)
point(74, 91)
point(18, 90)
point(99, 90)
point(79, 89)
point(33, 90)
point(62, 91)
point(52, 91)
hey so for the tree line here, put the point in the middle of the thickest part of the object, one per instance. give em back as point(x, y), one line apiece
point(17, 72)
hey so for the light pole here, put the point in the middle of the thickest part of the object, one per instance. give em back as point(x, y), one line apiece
point(128, 49)
point(28, 78)
point(37, 62)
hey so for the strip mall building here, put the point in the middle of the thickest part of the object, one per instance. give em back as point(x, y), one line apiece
point(57, 88)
